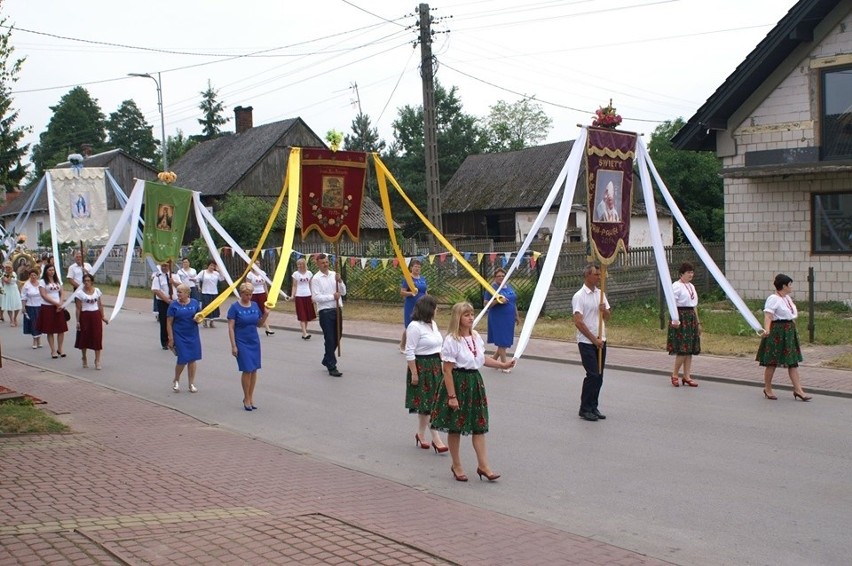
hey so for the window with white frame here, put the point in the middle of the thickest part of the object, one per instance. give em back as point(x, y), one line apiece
point(832, 223)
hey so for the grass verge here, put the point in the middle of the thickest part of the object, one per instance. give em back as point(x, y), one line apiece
point(22, 417)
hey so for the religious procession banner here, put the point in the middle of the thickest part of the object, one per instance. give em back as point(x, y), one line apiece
point(80, 204)
point(609, 167)
point(166, 212)
point(332, 192)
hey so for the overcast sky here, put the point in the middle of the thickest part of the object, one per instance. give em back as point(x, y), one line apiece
point(656, 59)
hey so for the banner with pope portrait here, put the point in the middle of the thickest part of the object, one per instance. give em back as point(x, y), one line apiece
point(609, 166)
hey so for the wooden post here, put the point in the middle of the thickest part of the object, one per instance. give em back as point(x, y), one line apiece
point(337, 290)
point(600, 318)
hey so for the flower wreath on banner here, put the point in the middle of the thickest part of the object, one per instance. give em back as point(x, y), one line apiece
point(607, 117)
point(326, 219)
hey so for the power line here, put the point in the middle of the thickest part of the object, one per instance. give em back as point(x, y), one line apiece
point(371, 13)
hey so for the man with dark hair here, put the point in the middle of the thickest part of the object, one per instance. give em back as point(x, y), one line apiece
point(327, 288)
point(589, 306)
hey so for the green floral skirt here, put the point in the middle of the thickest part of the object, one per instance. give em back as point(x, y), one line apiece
point(472, 414)
point(684, 340)
point(781, 347)
point(420, 398)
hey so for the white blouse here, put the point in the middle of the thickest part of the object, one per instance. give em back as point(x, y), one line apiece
point(256, 279)
point(31, 295)
point(210, 282)
point(781, 308)
point(187, 276)
point(52, 290)
point(303, 283)
point(88, 302)
point(422, 339)
point(685, 294)
point(468, 352)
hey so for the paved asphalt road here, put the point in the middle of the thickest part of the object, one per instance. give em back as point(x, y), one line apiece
point(714, 475)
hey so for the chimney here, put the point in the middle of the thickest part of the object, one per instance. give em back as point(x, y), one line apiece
point(242, 118)
point(86, 149)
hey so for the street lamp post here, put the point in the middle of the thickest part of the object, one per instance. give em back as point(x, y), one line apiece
point(158, 81)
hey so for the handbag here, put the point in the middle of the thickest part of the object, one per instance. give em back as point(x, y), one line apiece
point(67, 315)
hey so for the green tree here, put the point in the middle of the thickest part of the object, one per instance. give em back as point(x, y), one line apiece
point(177, 146)
point(517, 125)
point(459, 135)
point(693, 179)
point(212, 110)
point(365, 138)
point(76, 120)
point(244, 218)
point(12, 170)
point(129, 131)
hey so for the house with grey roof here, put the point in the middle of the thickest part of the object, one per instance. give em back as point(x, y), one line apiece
point(782, 125)
point(497, 196)
point(253, 162)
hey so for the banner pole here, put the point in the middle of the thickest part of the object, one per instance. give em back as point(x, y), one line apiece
point(337, 290)
point(600, 317)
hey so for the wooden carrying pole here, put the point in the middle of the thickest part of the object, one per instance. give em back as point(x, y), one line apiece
point(339, 321)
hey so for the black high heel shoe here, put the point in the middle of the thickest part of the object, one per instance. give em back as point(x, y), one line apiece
point(801, 397)
point(270, 332)
point(492, 477)
point(768, 396)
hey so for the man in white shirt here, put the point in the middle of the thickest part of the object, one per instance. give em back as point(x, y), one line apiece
point(164, 287)
point(588, 308)
point(76, 271)
point(327, 288)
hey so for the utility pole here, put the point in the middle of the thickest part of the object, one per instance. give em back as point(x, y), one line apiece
point(430, 130)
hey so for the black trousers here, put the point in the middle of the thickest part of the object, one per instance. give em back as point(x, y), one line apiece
point(162, 310)
point(329, 323)
point(594, 379)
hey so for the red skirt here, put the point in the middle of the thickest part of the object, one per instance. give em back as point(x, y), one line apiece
point(91, 333)
point(260, 299)
point(51, 321)
point(305, 309)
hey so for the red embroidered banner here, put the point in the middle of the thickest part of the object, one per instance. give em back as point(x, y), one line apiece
point(609, 164)
point(332, 192)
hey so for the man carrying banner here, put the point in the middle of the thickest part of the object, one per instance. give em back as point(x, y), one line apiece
point(589, 307)
point(76, 271)
point(327, 289)
point(164, 286)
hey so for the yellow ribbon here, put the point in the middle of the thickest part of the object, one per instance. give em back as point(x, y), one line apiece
point(382, 174)
point(295, 181)
point(269, 223)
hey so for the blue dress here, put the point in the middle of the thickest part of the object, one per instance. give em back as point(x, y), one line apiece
point(501, 318)
point(185, 330)
point(408, 305)
point(245, 335)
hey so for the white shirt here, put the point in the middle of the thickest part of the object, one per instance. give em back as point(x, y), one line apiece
point(587, 303)
point(52, 290)
point(422, 339)
point(781, 308)
point(31, 295)
point(88, 302)
point(468, 352)
point(323, 287)
point(684, 294)
point(255, 277)
point(75, 272)
point(187, 276)
point(160, 281)
point(303, 283)
point(210, 282)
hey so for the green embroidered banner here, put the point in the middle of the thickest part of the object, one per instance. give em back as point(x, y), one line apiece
point(166, 212)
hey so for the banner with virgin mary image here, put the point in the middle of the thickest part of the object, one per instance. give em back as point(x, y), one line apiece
point(80, 204)
point(332, 192)
point(166, 212)
point(609, 167)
